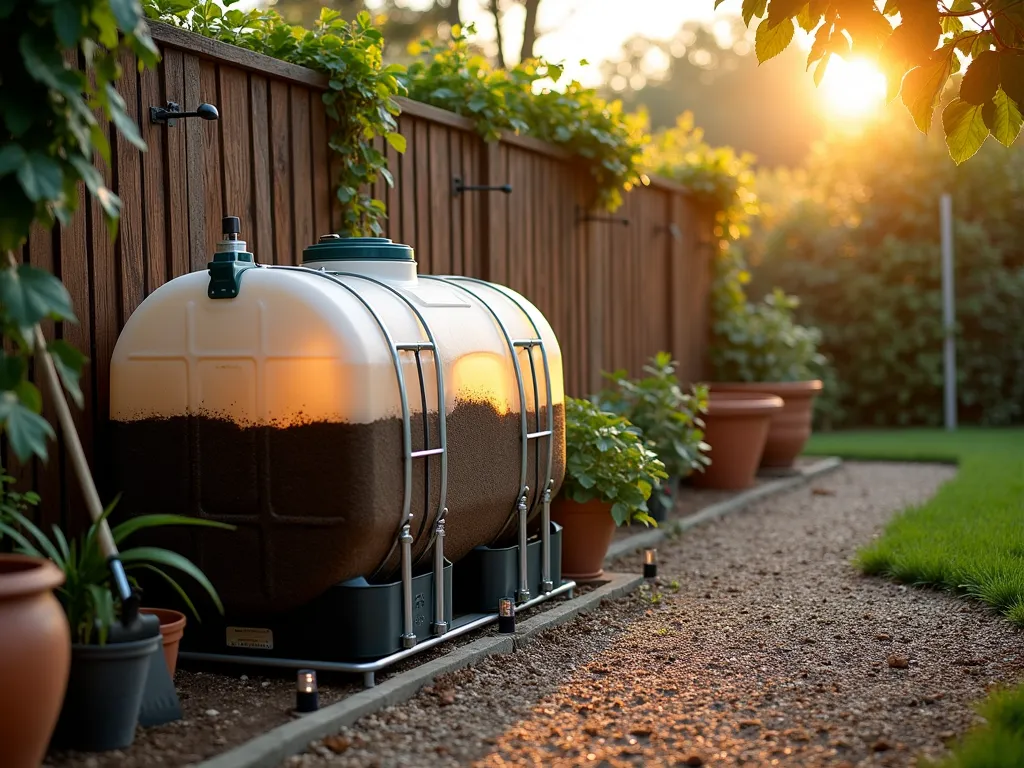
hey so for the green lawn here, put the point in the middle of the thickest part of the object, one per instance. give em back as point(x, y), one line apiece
point(968, 539)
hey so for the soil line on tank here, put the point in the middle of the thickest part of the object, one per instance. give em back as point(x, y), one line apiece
point(302, 494)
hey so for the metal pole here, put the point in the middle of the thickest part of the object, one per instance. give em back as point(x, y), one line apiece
point(948, 309)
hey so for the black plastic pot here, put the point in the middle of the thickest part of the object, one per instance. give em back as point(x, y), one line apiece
point(663, 498)
point(104, 695)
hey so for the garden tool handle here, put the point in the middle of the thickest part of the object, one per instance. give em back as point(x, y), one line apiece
point(78, 460)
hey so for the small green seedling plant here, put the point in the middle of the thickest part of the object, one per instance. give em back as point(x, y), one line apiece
point(87, 592)
point(608, 459)
point(669, 417)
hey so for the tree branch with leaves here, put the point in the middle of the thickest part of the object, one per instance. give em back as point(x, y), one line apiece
point(920, 45)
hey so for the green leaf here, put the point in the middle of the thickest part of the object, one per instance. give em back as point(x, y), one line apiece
point(1003, 118)
point(102, 603)
point(770, 41)
point(67, 20)
point(128, 14)
point(30, 396)
point(11, 158)
point(125, 124)
point(965, 129)
point(921, 88)
point(981, 79)
point(45, 545)
point(397, 142)
point(24, 545)
point(175, 586)
point(27, 432)
point(158, 557)
point(69, 363)
point(32, 294)
point(41, 177)
point(12, 370)
point(123, 530)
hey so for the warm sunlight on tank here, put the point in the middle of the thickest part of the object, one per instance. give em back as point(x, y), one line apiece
point(852, 89)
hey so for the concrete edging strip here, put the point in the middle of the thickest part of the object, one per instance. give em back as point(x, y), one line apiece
point(646, 539)
point(272, 748)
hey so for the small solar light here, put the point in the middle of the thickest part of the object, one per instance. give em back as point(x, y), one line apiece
point(506, 616)
point(307, 699)
point(650, 563)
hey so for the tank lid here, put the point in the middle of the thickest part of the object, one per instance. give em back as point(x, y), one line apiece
point(335, 248)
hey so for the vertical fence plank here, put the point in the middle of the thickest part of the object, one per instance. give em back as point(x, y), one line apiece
point(321, 182)
point(302, 172)
point(441, 201)
point(177, 184)
point(281, 169)
point(203, 162)
point(154, 185)
point(236, 130)
point(424, 188)
point(261, 231)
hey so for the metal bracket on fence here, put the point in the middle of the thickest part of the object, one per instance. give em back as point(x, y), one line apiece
point(582, 217)
point(172, 113)
point(458, 187)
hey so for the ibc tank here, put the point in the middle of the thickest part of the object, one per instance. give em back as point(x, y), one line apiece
point(268, 397)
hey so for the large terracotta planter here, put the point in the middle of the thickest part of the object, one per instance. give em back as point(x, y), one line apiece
point(736, 428)
point(172, 627)
point(791, 426)
point(587, 531)
point(35, 655)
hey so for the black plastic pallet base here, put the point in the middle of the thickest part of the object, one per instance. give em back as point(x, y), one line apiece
point(487, 574)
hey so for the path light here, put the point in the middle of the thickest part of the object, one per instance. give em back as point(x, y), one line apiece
point(650, 563)
point(307, 699)
point(506, 616)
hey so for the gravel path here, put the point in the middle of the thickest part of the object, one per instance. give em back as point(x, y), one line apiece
point(759, 645)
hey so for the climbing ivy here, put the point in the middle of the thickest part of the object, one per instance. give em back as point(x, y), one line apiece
point(608, 141)
point(53, 117)
point(361, 99)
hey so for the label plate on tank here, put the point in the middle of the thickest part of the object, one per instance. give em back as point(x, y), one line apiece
point(250, 637)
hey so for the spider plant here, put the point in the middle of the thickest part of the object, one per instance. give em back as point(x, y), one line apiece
point(87, 593)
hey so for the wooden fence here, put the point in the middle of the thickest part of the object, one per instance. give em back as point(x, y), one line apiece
point(616, 289)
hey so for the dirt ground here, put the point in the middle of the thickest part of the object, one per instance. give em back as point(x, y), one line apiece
point(758, 645)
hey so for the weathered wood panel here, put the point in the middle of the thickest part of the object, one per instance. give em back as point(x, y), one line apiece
point(614, 293)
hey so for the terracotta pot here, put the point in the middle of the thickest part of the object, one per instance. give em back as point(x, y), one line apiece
point(587, 531)
point(172, 627)
point(35, 655)
point(736, 428)
point(791, 426)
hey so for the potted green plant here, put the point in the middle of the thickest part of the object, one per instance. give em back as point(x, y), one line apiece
point(609, 475)
point(670, 420)
point(760, 348)
point(107, 677)
point(35, 643)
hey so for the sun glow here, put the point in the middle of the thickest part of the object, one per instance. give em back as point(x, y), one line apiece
point(852, 89)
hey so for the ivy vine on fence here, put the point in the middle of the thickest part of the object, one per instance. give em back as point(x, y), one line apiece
point(53, 123)
point(361, 100)
point(609, 141)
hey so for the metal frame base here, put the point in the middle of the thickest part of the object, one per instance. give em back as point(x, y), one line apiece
point(369, 669)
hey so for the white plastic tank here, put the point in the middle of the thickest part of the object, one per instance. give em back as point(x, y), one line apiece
point(268, 397)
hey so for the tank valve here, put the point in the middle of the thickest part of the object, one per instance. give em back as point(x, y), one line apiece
point(230, 260)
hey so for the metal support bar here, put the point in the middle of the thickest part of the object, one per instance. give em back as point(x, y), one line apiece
point(534, 435)
point(428, 452)
point(368, 668)
point(369, 679)
point(458, 187)
point(415, 346)
point(546, 585)
point(408, 635)
point(440, 626)
point(523, 595)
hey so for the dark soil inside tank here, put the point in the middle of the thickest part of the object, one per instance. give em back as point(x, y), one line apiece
point(320, 503)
